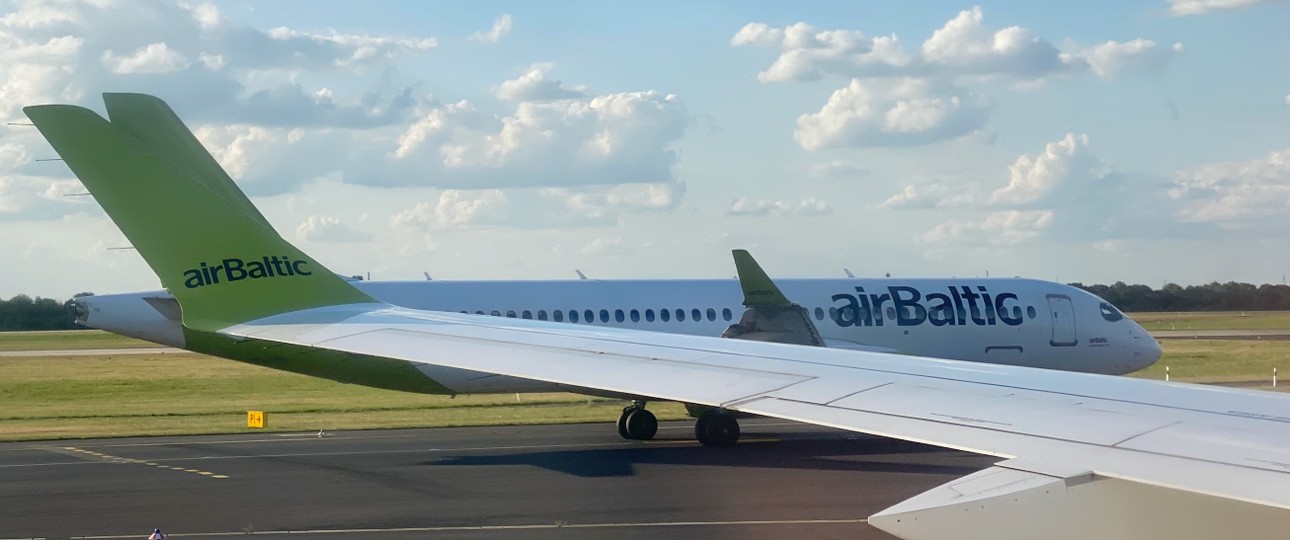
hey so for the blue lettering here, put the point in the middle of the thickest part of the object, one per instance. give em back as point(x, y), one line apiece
point(846, 314)
point(235, 269)
point(1010, 319)
point(942, 312)
point(957, 305)
point(908, 311)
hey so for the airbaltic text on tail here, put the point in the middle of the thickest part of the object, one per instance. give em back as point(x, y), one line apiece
point(234, 269)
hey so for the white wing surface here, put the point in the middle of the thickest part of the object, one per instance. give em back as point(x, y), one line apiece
point(1122, 444)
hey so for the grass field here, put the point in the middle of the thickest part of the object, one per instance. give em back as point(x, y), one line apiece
point(100, 396)
point(1215, 320)
point(103, 396)
point(67, 339)
point(1200, 360)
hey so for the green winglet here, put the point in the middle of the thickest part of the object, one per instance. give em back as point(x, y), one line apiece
point(759, 290)
point(152, 122)
point(223, 264)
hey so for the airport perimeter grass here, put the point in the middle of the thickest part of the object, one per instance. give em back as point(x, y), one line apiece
point(110, 396)
point(1214, 320)
point(67, 339)
point(1222, 361)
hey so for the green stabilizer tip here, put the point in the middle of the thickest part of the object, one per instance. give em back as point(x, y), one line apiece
point(758, 288)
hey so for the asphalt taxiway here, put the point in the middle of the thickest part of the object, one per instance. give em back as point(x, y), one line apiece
point(566, 481)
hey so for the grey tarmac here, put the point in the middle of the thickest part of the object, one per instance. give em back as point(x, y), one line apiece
point(566, 481)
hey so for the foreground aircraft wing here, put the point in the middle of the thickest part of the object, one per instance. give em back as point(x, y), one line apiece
point(1082, 456)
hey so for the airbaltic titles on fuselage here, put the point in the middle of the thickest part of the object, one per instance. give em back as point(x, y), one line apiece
point(958, 306)
point(234, 269)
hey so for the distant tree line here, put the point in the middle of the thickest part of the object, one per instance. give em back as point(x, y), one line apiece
point(1230, 296)
point(22, 312)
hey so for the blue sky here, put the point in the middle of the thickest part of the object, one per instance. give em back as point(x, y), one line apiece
point(1137, 141)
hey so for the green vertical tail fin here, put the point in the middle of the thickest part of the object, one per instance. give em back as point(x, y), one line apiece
point(211, 248)
point(151, 122)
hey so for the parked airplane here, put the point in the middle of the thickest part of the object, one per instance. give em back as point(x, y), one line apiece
point(1085, 456)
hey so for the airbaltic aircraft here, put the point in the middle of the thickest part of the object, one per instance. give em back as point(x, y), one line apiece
point(1081, 455)
point(1004, 321)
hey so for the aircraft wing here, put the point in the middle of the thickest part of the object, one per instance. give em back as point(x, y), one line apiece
point(1059, 432)
point(1084, 456)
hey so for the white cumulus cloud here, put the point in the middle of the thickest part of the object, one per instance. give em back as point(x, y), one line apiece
point(329, 229)
point(809, 54)
point(608, 139)
point(745, 206)
point(501, 26)
point(534, 86)
point(899, 113)
point(1137, 56)
point(1197, 7)
point(154, 58)
point(1239, 194)
point(1065, 163)
point(1002, 228)
point(934, 195)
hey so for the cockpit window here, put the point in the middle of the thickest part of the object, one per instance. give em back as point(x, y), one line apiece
point(1110, 313)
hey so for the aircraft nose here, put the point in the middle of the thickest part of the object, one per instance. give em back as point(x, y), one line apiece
point(1146, 350)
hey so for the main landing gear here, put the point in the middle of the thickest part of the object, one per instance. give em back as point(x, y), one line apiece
point(636, 423)
point(717, 428)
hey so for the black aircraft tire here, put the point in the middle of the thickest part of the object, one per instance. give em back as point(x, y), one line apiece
point(717, 429)
point(622, 424)
point(641, 425)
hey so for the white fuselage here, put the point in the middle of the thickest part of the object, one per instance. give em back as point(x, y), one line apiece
point(999, 320)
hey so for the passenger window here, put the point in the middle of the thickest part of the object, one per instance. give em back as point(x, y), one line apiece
point(819, 313)
point(618, 315)
point(891, 313)
point(696, 315)
point(636, 315)
point(558, 316)
point(510, 313)
point(589, 316)
point(573, 315)
point(649, 315)
point(496, 313)
point(604, 315)
point(479, 313)
point(526, 314)
point(712, 314)
point(1030, 312)
point(833, 314)
point(541, 314)
point(726, 314)
point(665, 314)
point(680, 315)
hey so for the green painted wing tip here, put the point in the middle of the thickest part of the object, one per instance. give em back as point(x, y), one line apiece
point(759, 290)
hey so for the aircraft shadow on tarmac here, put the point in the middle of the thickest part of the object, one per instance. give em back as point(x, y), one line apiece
point(837, 454)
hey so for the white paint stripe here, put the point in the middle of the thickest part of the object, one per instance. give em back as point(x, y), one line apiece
point(623, 444)
point(522, 527)
point(336, 436)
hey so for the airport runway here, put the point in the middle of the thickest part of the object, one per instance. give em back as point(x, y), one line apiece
point(567, 481)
